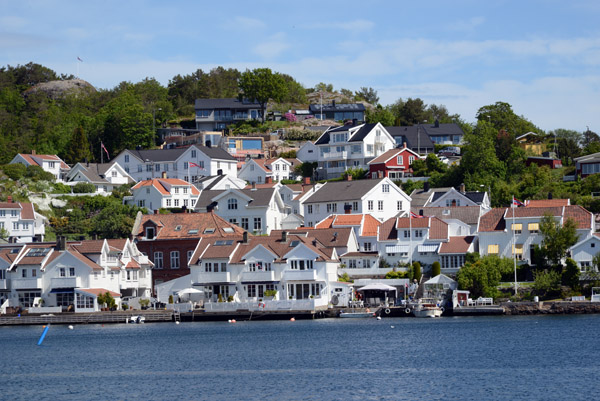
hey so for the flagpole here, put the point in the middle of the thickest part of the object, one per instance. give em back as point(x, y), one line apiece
point(101, 154)
point(410, 238)
point(514, 243)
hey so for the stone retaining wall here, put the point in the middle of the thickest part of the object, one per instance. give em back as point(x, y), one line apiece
point(550, 308)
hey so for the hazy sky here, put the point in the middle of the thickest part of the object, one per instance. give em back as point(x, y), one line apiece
point(542, 57)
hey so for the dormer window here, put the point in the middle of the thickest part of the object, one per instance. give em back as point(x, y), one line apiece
point(150, 232)
point(209, 230)
point(177, 228)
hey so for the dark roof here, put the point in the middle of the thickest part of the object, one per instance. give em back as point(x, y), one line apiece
point(228, 103)
point(474, 196)
point(216, 153)
point(96, 172)
point(339, 191)
point(260, 196)
point(442, 129)
point(420, 196)
point(169, 155)
point(466, 214)
point(411, 136)
point(316, 108)
point(362, 132)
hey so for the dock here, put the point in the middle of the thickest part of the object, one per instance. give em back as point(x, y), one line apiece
point(248, 315)
point(479, 310)
point(86, 318)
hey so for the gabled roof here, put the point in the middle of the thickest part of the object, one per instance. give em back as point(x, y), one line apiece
point(438, 229)
point(96, 172)
point(171, 155)
point(367, 223)
point(466, 214)
point(414, 138)
point(84, 259)
point(474, 196)
point(390, 154)
point(318, 108)
point(161, 185)
point(97, 291)
point(31, 159)
point(420, 197)
point(261, 197)
point(27, 211)
point(277, 246)
point(362, 132)
point(496, 219)
point(457, 245)
point(339, 191)
point(547, 202)
point(188, 225)
point(327, 237)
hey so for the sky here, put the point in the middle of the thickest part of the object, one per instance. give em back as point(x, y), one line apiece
point(542, 57)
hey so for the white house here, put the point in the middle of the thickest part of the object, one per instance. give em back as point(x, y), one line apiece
point(351, 146)
point(105, 177)
point(164, 193)
point(50, 163)
point(449, 197)
point(188, 164)
point(255, 210)
point(508, 231)
point(365, 228)
point(308, 152)
point(22, 222)
point(242, 271)
point(584, 252)
point(380, 198)
point(257, 170)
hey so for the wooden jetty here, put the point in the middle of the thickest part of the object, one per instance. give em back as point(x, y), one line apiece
point(86, 318)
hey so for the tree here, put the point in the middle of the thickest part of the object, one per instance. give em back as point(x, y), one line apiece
point(367, 94)
point(567, 144)
point(412, 112)
point(379, 115)
point(4, 234)
point(482, 276)
point(546, 282)
point(416, 271)
point(570, 274)
point(436, 269)
point(84, 188)
point(501, 116)
point(557, 240)
point(261, 85)
point(79, 149)
point(323, 87)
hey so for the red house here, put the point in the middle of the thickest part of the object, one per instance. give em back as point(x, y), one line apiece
point(394, 164)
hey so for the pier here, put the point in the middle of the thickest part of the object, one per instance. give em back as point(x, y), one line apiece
point(86, 318)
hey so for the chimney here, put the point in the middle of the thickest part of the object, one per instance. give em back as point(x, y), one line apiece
point(61, 242)
point(9, 199)
point(220, 171)
point(208, 144)
point(380, 174)
point(284, 235)
point(347, 208)
point(155, 211)
point(333, 103)
point(306, 180)
point(348, 177)
point(437, 123)
point(210, 207)
point(268, 180)
point(314, 243)
point(245, 237)
point(253, 186)
point(87, 162)
point(82, 238)
point(461, 188)
point(426, 186)
point(404, 145)
point(33, 152)
point(164, 174)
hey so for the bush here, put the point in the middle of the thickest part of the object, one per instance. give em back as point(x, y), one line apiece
point(84, 188)
point(570, 274)
point(436, 269)
point(395, 275)
point(547, 282)
point(60, 188)
point(14, 171)
point(417, 271)
point(270, 293)
point(37, 173)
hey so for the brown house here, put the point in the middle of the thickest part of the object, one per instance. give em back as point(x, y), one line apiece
point(169, 240)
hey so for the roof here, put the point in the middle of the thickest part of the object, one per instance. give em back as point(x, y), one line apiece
point(457, 245)
point(339, 191)
point(261, 197)
point(440, 279)
point(494, 220)
point(31, 159)
point(390, 154)
point(96, 172)
point(362, 132)
point(82, 258)
point(226, 103)
point(170, 155)
point(466, 214)
point(368, 223)
point(318, 108)
point(420, 197)
point(438, 229)
point(547, 202)
point(187, 225)
point(98, 291)
point(328, 237)
point(161, 185)
point(360, 254)
point(27, 211)
point(413, 137)
point(475, 196)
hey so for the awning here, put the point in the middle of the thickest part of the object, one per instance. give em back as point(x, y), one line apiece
point(428, 248)
point(396, 248)
point(377, 287)
point(62, 291)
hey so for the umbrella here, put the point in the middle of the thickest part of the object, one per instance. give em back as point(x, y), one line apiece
point(377, 287)
point(189, 292)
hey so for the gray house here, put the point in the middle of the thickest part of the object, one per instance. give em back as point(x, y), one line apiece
point(218, 114)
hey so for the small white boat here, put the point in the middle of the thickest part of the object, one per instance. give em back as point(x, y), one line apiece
point(426, 308)
point(356, 314)
point(136, 319)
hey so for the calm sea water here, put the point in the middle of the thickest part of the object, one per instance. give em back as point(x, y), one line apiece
point(484, 358)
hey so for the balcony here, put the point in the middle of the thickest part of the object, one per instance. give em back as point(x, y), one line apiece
point(300, 275)
point(211, 277)
point(4, 284)
point(258, 276)
point(66, 282)
point(26, 283)
point(240, 116)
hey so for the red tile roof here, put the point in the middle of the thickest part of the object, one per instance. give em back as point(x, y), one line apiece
point(368, 223)
point(27, 211)
point(31, 159)
point(390, 154)
point(494, 220)
point(161, 185)
point(547, 202)
point(167, 225)
point(438, 229)
point(457, 245)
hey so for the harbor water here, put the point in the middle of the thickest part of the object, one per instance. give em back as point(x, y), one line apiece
point(478, 358)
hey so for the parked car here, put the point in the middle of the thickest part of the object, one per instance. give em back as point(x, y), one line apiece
point(450, 151)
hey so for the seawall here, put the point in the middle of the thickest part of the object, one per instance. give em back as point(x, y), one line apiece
point(550, 308)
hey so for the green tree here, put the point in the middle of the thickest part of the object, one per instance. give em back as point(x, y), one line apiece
point(262, 85)
point(368, 94)
point(295, 92)
point(379, 115)
point(436, 269)
point(416, 267)
point(412, 112)
point(556, 239)
point(482, 277)
point(84, 188)
point(570, 274)
point(321, 86)
point(546, 282)
point(567, 145)
point(502, 116)
point(79, 149)
point(480, 165)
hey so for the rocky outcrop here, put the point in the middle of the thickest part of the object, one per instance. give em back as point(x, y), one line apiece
point(550, 308)
point(58, 89)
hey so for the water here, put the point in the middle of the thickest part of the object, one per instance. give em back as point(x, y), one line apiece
point(482, 358)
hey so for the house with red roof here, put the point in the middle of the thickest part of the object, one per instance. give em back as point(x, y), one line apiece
point(21, 222)
point(259, 170)
point(514, 232)
point(394, 164)
point(163, 193)
point(50, 163)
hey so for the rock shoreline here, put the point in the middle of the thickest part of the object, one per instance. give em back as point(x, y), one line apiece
point(550, 308)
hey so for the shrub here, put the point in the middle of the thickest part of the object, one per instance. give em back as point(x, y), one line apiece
point(570, 274)
point(60, 188)
point(270, 293)
point(84, 188)
point(37, 173)
point(436, 269)
point(14, 171)
point(170, 299)
point(230, 298)
point(546, 282)
point(417, 271)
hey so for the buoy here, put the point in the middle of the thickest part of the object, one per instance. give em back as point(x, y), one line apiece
point(70, 327)
point(378, 317)
point(233, 321)
point(392, 327)
point(407, 311)
point(387, 311)
point(229, 321)
point(177, 322)
point(293, 319)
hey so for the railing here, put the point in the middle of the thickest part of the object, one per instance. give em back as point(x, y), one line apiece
point(258, 276)
point(266, 305)
point(335, 155)
point(297, 275)
point(212, 277)
point(25, 283)
point(4, 285)
point(66, 282)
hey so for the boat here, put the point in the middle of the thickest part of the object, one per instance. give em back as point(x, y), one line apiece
point(426, 308)
point(136, 319)
point(357, 314)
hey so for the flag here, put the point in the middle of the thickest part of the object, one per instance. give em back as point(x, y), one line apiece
point(516, 202)
point(192, 164)
point(415, 216)
point(79, 59)
point(104, 148)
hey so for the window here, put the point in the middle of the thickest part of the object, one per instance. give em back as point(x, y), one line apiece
point(13, 213)
point(126, 158)
point(113, 174)
point(352, 264)
point(24, 273)
point(518, 251)
point(157, 167)
point(139, 168)
point(150, 232)
point(411, 159)
point(493, 249)
point(367, 247)
point(176, 203)
point(148, 167)
point(370, 205)
point(309, 209)
point(533, 228)
point(189, 256)
point(193, 153)
point(301, 264)
point(232, 204)
point(185, 165)
point(141, 203)
point(332, 208)
point(71, 272)
point(406, 233)
point(380, 205)
point(385, 188)
point(176, 190)
point(400, 161)
point(158, 260)
point(2, 213)
point(251, 291)
point(418, 233)
point(15, 226)
point(168, 202)
point(257, 224)
point(398, 205)
point(185, 190)
point(516, 228)
point(355, 206)
point(174, 259)
point(245, 223)
point(166, 167)
point(62, 272)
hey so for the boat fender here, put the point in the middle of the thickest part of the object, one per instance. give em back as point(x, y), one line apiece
point(443, 309)
point(387, 311)
point(407, 311)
